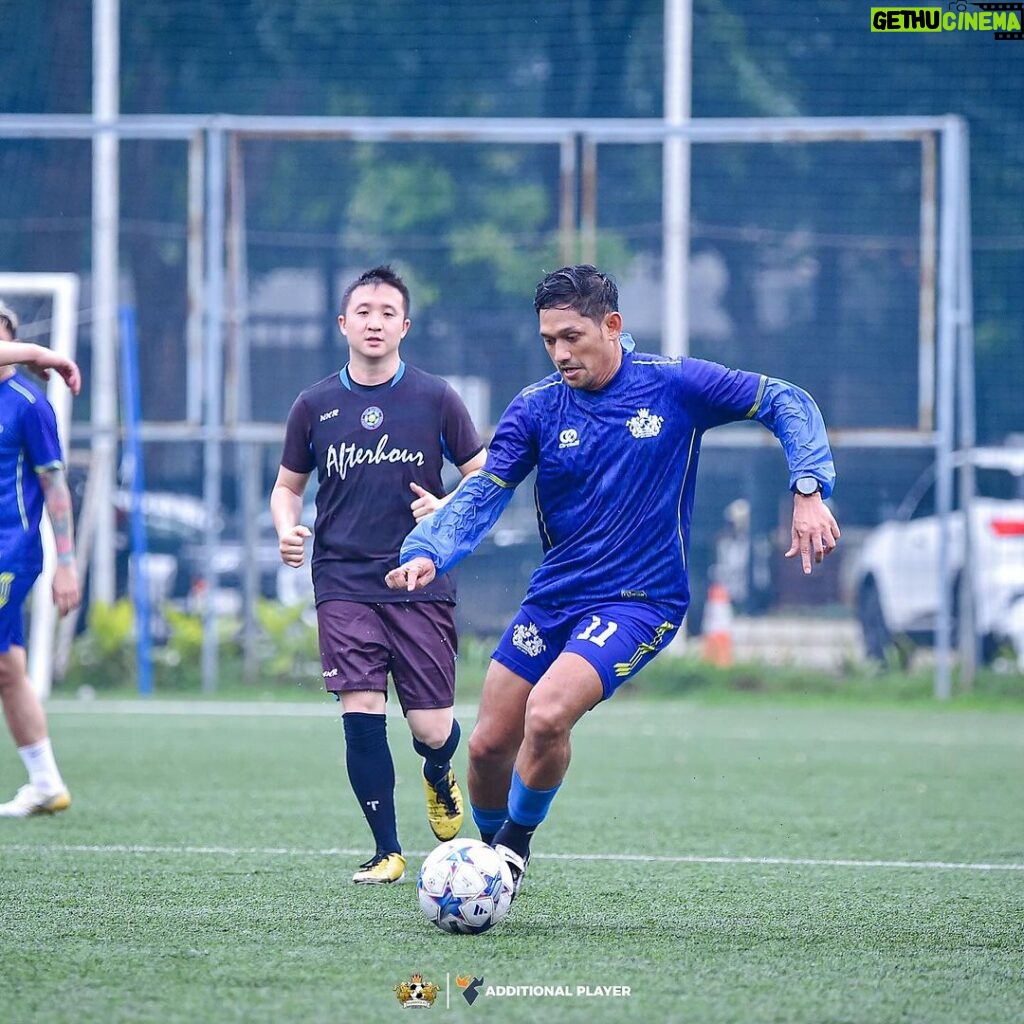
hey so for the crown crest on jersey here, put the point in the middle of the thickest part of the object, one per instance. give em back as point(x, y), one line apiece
point(645, 424)
point(528, 639)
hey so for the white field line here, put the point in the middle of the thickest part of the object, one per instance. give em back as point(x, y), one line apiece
point(240, 709)
point(328, 708)
point(639, 858)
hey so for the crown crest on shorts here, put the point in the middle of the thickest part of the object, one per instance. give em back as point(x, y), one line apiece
point(528, 639)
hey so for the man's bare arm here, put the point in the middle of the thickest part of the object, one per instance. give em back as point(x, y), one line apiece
point(57, 496)
point(43, 359)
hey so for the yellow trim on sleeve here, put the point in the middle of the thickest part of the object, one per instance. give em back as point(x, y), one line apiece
point(497, 480)
point(757, 401)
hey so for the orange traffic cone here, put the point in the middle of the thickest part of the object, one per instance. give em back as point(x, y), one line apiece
point(717, 627)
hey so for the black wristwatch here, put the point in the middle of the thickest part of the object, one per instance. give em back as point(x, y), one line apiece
point(807, 485)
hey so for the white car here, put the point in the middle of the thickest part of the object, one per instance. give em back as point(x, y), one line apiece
point(896, 581)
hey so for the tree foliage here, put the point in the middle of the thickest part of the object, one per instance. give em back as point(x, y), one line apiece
point(475, 224)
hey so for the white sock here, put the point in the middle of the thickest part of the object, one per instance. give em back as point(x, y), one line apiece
point(42, 768)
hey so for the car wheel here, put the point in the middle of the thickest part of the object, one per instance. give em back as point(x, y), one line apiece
point(877, 637)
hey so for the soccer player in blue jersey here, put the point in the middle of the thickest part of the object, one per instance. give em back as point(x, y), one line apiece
point(614, 436)
point(31, 477)
point(377, 435)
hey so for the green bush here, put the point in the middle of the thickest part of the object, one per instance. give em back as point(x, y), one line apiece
point(288, 645)
point(286, 656)
point(103, 657)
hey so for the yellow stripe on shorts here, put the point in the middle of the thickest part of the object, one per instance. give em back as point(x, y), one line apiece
point(6, 579)
point(623, 668)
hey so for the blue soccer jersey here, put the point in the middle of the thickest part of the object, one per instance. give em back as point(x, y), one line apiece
point(616, 472)
point(28, 445)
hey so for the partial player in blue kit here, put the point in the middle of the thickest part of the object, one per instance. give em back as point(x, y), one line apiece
point(377, 435)
point(32, 478)
point(615, 438)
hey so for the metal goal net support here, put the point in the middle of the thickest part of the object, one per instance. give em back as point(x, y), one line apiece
point(832, 251)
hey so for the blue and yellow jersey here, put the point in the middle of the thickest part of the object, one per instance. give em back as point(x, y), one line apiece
point(616, 471)
point(29, 445)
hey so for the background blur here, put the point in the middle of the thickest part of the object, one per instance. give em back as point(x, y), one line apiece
point(805, 258)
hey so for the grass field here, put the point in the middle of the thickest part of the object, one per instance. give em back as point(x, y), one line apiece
point(739, 862)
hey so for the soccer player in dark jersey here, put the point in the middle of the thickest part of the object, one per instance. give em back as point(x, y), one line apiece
point(614, 436)
point(377, 435)
point(31, 478)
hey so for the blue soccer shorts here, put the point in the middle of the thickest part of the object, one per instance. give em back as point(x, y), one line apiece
point(14, 588)
point(617, 638)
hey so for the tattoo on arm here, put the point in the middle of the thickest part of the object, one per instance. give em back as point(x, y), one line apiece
point(58, 508)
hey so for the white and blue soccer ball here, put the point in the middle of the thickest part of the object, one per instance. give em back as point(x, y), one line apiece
point(464, 886)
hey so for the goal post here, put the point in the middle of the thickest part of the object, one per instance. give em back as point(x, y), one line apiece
point(62, 291)
point(783, 233)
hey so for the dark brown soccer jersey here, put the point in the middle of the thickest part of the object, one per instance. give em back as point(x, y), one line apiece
point(366, 445)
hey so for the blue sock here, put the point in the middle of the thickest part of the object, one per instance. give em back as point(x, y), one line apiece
point(437, 761)
point(489, 820)
point(527, 808)
point(372, 774)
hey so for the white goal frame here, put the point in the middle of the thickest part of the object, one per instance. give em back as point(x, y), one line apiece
point(62, 290)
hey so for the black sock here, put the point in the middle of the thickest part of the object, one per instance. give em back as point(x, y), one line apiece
point(372, 774)
point(516, 837)
point(437, 761)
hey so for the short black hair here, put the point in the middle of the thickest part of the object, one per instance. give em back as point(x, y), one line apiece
point(377, 275)
point(582, 288)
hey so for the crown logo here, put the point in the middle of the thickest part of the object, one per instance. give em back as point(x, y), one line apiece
point(416, 992)
point(528, 639)
point(645, 424)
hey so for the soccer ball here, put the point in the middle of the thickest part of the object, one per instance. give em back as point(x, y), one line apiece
point(464, 886)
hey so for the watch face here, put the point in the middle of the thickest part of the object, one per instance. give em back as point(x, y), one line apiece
point(807, 486)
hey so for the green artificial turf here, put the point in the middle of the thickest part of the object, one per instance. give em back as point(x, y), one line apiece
point(747, 862)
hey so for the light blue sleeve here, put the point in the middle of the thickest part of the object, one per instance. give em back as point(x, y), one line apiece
point(795, 419)
point(455, 530)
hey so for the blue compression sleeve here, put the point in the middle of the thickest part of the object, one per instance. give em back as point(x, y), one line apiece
point(794, 418)
point(454, 531)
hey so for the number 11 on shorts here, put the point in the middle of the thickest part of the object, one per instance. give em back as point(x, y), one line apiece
point(591, 632)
